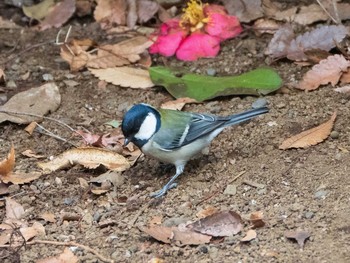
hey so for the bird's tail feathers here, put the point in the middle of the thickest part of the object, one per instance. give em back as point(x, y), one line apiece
point(246, 115)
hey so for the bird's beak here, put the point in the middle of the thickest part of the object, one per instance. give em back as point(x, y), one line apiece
point(126, 142)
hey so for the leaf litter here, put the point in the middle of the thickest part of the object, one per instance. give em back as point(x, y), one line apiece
point(310, 137)
point(299, 235)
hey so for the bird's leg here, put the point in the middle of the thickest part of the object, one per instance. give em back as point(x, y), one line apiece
point(170, 184)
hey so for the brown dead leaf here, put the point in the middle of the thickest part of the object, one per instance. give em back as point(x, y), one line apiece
point(284, 43)
point(83, 183)
point(225, 223)
point(19, 177)
point(29, 153)
point(174, 235)
point(66, 256)
point(256, 219)
point(89, 157)
point(263, 25)
point(125, 76)
point(110, 12)
point(31, 127)
point(13, 209)
point(7, 165)
point(58, 15)
point(210, 210)
point(48, 217)
point(310, 137)
point(299, 236)
point(4, 188)
point(146, 9)
point(345, 78)
point(245, 10)
point(249, 236)
point(32, 231)
point(177, 104)
point(327, 71)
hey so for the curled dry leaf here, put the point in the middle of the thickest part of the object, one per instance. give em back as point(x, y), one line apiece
point(88, 157)
point(177, 104)
point(29, 153)
point(125, 76)
point(327, 71)
point(7, 165)
point(310, 137)
point(299, 236)
point(224, 223)
point(13, 209)
point(249, 236)
point(176, 236)
point(256, 219)
point(58, 15)
point(210, 210)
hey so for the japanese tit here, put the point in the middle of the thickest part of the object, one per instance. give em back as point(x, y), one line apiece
point(175, 136)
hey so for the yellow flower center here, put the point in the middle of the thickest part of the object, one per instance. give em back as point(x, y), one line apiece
point(193, 16)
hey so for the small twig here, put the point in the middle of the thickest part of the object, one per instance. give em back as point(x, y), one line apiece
point(20, 193)
point(71, 244)
point(220, 190)
point(45, 131)
point(325, 10)
point(26, 50)
point(336, 12)
point(40, 116)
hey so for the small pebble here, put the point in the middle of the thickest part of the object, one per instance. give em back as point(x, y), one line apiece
point(259, 103)
point(309, 215)
point(211, 72)
point(203, 249)
point(280, 105)
point(3, 99)
point(11, 84)
point(321, 194)
point(13, 188)
point(58, 181)
point(68, 201)
point(96, 217)
point(47, 77)
point(231, 189)
point(334, 135)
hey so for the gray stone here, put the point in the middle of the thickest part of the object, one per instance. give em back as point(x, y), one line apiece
point(231, 189)
point(259, 103)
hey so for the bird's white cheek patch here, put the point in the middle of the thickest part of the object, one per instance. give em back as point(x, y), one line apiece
point(148, 127)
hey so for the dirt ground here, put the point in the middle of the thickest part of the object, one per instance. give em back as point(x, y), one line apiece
point(303, 189)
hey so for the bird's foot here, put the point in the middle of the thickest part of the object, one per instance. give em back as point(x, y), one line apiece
point(163, 191)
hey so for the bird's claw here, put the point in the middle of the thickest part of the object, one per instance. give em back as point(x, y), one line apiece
point(163, 191)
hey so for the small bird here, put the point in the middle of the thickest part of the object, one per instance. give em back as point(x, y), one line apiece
point(175, 136)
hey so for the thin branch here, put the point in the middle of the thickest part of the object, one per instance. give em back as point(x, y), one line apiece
point(71, 244)
point(51, 134)
point(325, 10)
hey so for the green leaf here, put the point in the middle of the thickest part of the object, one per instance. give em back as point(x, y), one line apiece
point(198, 87)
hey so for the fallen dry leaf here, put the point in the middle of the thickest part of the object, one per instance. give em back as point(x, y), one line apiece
point(225, 223)
point(327, 71)
point(310, 137)
point(299, 236)
point(48, 217)
point(109, 12)
point(104, 140)
point(4, 188)
point(176, 236)
point(89, 157)
point(249, 236)
point(67, 256)
point(37, 101)
point(29, 153)
point(245, 10)
point(58, 15)
point(7, 165)
point(125, 76)
point(345, 78)
point(112, 177)
point(256, 219)
point(13, 209)
point(284, 43)
point(31, 127)
point(177, 104)
point(28, 232)
point(210, 210)
point(38, 11)
point(263, 25)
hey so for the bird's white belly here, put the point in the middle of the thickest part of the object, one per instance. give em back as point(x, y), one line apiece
point(177, 156)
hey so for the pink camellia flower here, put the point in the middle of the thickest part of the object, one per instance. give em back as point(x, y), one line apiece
point(198, 33)
point(169, 38)
point(198, 45)
point(221, 24)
